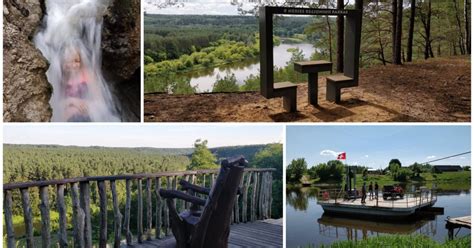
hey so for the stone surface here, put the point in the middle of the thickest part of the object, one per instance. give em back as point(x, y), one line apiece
point(26, 91)
point(121, 55)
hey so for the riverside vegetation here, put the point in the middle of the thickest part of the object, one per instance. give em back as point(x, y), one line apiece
point(333, 172)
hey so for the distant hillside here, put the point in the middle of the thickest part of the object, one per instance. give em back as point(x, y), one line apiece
point(11, 150)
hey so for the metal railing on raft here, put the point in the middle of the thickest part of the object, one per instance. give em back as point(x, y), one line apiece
point(254, 203)
point(418, 198)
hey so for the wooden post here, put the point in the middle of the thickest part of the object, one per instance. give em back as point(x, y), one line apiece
point(78, 217)
point(236, 204)
point(158, 208)
point(45, 218)
point(140, 212)
point(103, 214)
point(270, 195)
point(213, 180)
point(128, 234)
point(62, 232)
point(85, 205)
point(7, 209)
point(28, 217)
point(204, 180)
point(261, 195)
point(245, 197)
point(117, 216)
point(253, 200)
point(149, 215)
point(166, 210)
point(186, 204)
point(175, 187)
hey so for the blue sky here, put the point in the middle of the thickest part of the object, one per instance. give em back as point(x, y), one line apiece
point(199, 7)
point(142, 135)
point(374, 146)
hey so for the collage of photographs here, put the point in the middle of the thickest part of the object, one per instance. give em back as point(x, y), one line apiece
point(236, 123)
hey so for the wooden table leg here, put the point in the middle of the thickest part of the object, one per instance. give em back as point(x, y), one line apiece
point(313, 88)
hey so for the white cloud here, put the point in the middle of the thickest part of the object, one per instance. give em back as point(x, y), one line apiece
point(329, 153)
point(431, 157)
point(366, 156)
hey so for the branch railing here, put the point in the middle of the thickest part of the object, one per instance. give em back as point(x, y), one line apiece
point(253, 203)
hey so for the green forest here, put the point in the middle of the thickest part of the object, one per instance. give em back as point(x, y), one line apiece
point(394, 32)
point(45, 162)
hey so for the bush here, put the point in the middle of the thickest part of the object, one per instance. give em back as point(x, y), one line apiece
point(226, 84)
point(295, 170)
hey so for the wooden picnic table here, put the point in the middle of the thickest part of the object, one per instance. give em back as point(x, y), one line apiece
point(312, 68)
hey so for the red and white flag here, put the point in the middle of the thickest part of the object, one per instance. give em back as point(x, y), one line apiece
point(341, 156)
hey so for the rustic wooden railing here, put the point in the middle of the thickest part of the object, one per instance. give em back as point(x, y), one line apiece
point(254, 203)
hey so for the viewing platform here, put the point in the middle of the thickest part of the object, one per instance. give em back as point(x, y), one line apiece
point(132, 212)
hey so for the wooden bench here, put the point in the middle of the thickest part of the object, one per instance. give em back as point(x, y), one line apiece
point(288, 91)
point(335, 83)
point(313, 68)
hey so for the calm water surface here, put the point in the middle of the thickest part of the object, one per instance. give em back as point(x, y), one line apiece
point(306, 224)
point(204, 80)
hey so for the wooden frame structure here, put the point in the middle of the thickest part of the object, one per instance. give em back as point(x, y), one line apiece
point(350, 77)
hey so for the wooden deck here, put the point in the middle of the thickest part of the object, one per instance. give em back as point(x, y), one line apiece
point(266, 233)
point(406, 202)
point(461, 221)
point(457, 222)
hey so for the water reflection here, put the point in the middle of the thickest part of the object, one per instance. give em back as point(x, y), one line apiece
point(205, 79)
point(352, 229)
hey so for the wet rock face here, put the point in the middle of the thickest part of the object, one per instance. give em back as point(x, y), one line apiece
point(26, 91)
point(121, 55)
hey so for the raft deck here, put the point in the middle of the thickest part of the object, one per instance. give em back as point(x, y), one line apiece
point(404, 207)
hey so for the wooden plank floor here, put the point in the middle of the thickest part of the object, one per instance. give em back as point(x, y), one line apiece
point(464, 221)
point(267, 233)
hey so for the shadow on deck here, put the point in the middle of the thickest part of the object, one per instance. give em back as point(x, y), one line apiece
point(265, 233)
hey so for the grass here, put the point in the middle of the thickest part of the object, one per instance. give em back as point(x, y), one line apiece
point(399, 241)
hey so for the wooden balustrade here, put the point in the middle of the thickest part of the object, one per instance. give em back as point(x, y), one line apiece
point(253, 203)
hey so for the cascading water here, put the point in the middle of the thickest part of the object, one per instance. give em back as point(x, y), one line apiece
point(70, 40)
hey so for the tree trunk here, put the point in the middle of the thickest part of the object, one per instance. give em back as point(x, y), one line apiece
point(467, 22)
point(340, 38)
point(398, 45)
point(382, 50)
point(427, 25)
point(411, 31)
point(330, 38)
point(394, 31)
point(458, 22)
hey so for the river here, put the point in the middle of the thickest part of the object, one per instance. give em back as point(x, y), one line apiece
point(204, 80)
point(306, 224)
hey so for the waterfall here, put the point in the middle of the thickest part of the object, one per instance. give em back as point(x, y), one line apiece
point(70, 39)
